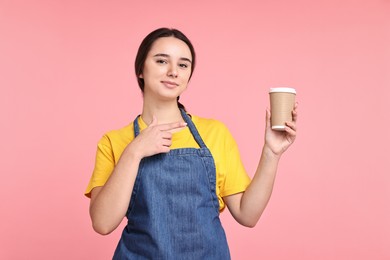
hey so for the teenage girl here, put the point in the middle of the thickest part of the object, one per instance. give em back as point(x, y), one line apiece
point(170, 172)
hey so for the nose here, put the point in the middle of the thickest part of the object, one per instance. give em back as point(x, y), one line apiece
point(172, 72)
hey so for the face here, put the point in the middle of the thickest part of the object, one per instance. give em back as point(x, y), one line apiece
point(167, 69)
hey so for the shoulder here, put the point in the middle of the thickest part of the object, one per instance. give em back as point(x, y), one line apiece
point(212, 128)
point(209, 123)
point(118, 136)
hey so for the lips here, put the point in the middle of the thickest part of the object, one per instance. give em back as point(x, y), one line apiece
point(170, 84)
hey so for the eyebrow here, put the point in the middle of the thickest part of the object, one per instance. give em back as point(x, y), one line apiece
point(167, 56)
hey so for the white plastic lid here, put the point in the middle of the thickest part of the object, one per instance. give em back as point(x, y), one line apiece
point(287, 90)
point(279, 127)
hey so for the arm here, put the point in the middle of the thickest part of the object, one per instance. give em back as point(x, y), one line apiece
point(109, 203)
point(248, 206)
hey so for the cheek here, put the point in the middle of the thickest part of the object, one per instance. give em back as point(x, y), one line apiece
point(187, 77)
point(150, 69)
point(186, 74)
point(156, 71)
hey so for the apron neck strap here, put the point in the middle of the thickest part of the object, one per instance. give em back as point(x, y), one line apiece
point(192, 128)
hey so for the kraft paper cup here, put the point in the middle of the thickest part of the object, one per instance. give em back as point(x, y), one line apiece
point(282, 104)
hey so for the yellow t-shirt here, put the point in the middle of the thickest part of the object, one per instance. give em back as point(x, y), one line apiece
point(231, 177)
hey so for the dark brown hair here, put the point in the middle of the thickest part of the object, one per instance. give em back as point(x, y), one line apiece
point(146, 45)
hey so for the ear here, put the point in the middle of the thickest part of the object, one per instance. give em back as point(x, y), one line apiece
point(141, 76)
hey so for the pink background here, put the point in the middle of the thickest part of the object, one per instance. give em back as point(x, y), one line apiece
point(66, 77)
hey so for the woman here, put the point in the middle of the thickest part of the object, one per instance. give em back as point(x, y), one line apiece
point(171, 173)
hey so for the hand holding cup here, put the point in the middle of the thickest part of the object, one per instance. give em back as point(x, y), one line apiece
point(282, 104)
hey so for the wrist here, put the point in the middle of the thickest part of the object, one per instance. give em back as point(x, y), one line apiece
point(270, 154)
point(131, 155)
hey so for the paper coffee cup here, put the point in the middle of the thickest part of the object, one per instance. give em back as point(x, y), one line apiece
point(282, 104)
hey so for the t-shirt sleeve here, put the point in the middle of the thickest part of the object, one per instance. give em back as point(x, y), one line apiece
point(236, 179)
point(104, 165)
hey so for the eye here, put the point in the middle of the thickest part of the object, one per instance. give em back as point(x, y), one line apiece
point(161, 61)
point(183, 65)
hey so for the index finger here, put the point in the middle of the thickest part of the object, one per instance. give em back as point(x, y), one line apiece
point(171, 126)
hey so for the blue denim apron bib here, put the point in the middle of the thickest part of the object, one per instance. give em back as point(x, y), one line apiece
point(174, 210)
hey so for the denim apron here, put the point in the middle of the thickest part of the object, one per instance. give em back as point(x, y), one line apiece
point(174, 210)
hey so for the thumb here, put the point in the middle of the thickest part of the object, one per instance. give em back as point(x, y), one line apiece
point(154, 121)
point(267, 118)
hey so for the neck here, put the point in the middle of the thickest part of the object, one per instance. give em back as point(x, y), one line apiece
point(166, 113)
